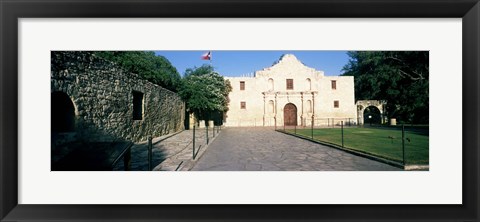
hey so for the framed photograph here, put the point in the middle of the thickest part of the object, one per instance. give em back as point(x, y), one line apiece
point(45, 45)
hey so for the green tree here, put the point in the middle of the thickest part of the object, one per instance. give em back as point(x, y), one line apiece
point(399, 77)
point(205, 92)
point(156, 69)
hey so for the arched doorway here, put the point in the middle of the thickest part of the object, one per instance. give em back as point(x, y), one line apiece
point(290, 115)
point(63, 113)
point(376, 108)
point(372, 115)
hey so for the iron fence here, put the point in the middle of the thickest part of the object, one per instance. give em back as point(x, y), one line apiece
point(202, 137)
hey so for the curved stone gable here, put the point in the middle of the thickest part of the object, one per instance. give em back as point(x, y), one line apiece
point(288, 65)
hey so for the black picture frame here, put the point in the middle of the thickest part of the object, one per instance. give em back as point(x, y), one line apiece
point(11, 11)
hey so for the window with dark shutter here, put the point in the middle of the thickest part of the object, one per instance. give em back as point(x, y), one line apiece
point(242, 105)
point(289, 83)
point(334, 84)
point(242, 85)
point(336, 104)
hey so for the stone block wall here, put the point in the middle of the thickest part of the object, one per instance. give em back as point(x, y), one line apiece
point(103, 97)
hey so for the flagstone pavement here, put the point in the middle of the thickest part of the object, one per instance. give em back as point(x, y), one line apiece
point(170, 152)
point(263, 149)
point(246, 149)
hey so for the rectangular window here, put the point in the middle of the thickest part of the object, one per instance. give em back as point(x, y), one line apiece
point(137, 105)
point(289, 83)
point(334, 84)
point(336, 104)
point(242, 85)
point(243, 105)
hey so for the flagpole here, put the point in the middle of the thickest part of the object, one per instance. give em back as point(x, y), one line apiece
point(213, 70)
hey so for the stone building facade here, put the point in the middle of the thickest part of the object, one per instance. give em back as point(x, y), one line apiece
point(290, 93)
point(95, 100)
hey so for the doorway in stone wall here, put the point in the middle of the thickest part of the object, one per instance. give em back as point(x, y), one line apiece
point(63, 113)
point(290, 114)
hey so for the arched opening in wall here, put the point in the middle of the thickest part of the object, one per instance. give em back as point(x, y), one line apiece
point(137, 105)
point(63, 113)
point(309, 84)
point(290, 115)
point(271, 106)
point(186, 121)
point(270, 84)
point(372, 115)
point(309, 106)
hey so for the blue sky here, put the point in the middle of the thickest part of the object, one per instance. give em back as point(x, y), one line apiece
point(237, 63)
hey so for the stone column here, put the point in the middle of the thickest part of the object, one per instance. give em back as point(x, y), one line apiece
point(360, 116)
point(313, 107)
point(302, 115)
point(382, 117)
point(275, 110)
point(264, 108)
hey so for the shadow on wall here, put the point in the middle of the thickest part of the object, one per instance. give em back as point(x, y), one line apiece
point(98, 111)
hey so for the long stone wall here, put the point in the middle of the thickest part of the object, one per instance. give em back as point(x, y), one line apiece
point(103, 100)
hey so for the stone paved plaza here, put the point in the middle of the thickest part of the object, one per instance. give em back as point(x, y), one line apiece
point(170, 152)
point(263, 149)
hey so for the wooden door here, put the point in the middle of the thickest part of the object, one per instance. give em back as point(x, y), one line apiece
point(290, 115)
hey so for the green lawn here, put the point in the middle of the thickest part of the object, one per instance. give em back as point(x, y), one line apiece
point(386, 143)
